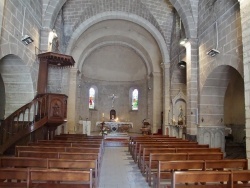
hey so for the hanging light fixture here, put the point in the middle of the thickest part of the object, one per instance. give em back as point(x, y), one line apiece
point(182, 64)
point(213, 52)
point(183, 41)
point(26, 39)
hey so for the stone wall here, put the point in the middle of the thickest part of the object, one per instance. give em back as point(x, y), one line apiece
point(103, 102)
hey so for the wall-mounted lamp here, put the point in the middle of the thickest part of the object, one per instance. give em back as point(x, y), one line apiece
point(182, 64)
point(213, 52)
point(183, 41)
point(26, 39)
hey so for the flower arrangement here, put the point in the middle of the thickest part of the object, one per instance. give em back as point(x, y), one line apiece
point(104, 130)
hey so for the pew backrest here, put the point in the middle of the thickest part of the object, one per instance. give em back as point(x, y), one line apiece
point(194, 178)
point(46, 176)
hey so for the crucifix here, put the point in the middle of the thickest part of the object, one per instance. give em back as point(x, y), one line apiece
point(113, 97)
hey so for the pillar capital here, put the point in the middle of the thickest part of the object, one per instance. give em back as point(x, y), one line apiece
point(165, 65)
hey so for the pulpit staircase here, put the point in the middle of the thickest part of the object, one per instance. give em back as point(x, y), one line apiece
point(45, 112)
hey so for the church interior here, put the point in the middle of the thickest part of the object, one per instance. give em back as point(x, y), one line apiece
point(121, 69)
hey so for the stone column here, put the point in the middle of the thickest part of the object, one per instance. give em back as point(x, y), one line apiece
point(2, 4)
point(157, 101)
point(44, 39)
point(71, 110)
point(245, 24)
point(192, 87)
point(166, 98)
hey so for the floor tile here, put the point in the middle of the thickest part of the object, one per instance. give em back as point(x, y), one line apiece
point(118, 170)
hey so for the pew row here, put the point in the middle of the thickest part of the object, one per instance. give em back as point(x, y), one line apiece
point(152, 165)
point(151, 149)
point(165, 168)
point(41, 178)
point(210, 179)
point(46, 163)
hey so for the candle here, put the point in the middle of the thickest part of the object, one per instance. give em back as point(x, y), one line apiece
point(103, 115)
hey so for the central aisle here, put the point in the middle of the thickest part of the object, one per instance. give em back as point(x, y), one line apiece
point(118, 170)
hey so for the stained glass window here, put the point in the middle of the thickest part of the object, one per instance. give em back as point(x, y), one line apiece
point(91, 98)
point(135, 99)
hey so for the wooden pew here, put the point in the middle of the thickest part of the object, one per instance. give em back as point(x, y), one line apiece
point(151, 149)
point(136, 145)
point(27, 162)
point(133, 140)
point(73, 143)
point(76, 165)
point(62, 155)
point(14, 177)
point(159, 143)
point(23, 162)
point(209, 179)
point(169, 144)
point(53, 178)
point(75, 136)
point(152, 165)
point(166, 167)
point(59, 149)
point(240, 178)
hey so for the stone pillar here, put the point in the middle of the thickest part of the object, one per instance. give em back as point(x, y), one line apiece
point(245, 24)
point(44, 40)
point(42, 76)
point(157, 101)
point(71, 110)
point(166, 97)
point(2, 4)
point(192, 87)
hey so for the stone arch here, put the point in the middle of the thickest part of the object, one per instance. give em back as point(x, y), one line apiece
point(207, 137)
point(51, 12)
point(18, 83)
point(27, 58)
point(119, 15)
point(142, 55)
point(55, 6)
point(185, 12)
point(228, 60)
point(213, 95)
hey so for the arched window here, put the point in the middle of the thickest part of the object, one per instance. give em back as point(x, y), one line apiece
point(91, 98)
point(135, 99)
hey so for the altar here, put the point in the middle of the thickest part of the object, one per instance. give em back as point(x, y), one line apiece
point(115, 126)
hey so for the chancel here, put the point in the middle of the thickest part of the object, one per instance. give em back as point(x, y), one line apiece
point(114, 125)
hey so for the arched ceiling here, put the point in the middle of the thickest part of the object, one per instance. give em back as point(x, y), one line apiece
point(114, 63)
point(121, 45)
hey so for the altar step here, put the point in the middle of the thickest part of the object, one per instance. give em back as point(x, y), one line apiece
point(116, 142)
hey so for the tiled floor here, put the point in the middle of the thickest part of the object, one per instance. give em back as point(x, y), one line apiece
point(118, 170)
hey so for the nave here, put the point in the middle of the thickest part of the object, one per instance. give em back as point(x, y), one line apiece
point(119, 170)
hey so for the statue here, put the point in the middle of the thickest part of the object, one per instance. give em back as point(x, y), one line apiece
point(113, 97)
point(180, 116)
